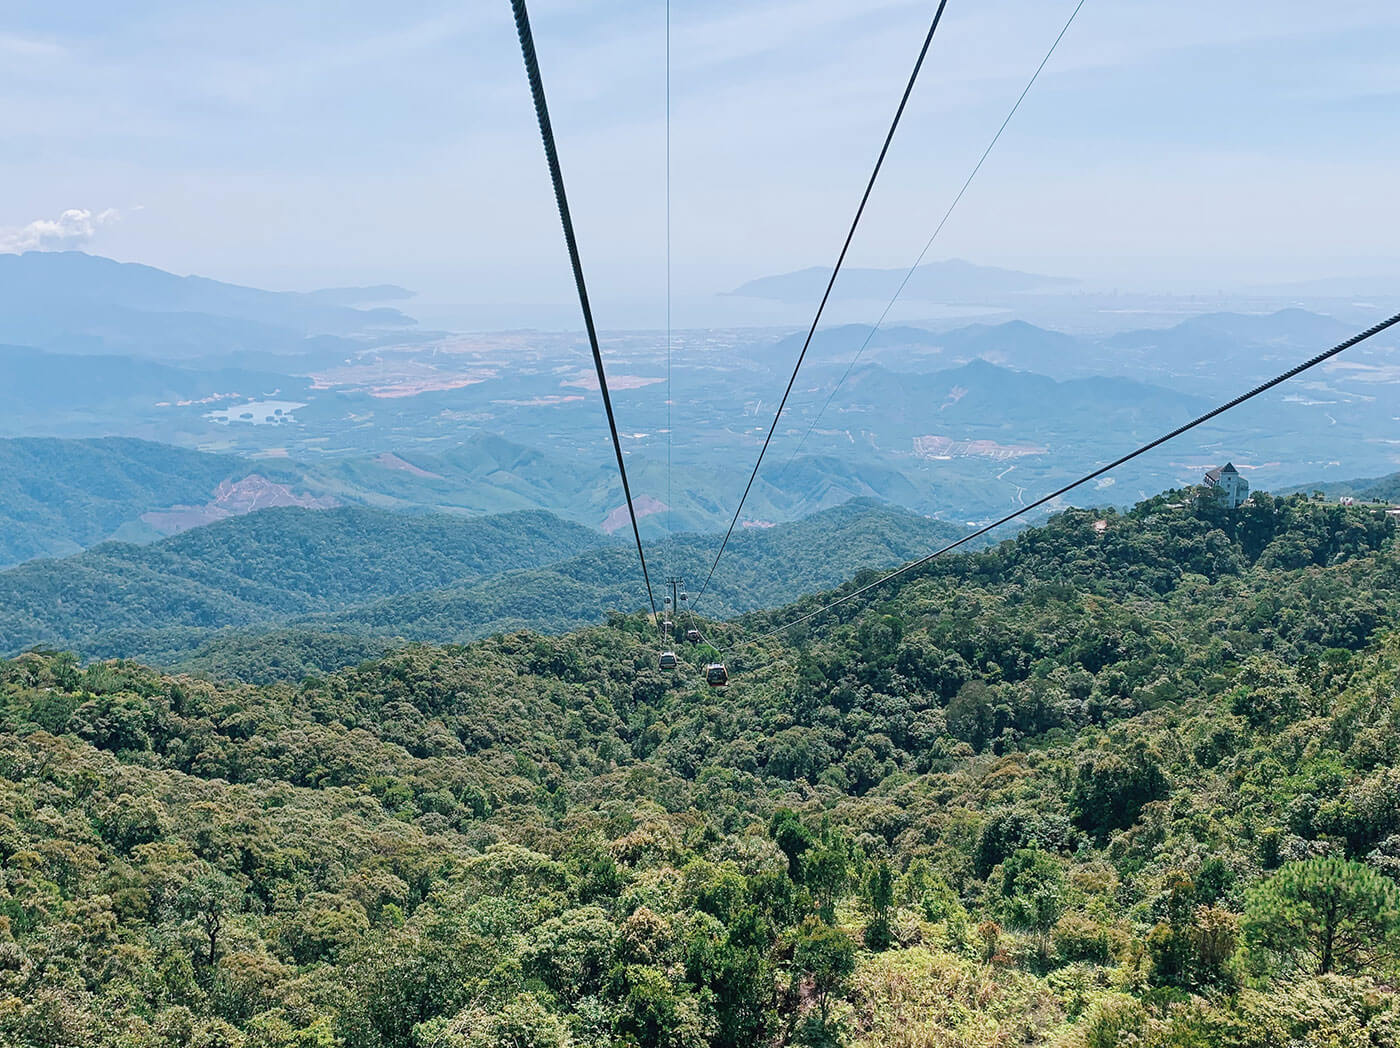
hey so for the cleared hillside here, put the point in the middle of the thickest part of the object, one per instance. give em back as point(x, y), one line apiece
point(61, 496)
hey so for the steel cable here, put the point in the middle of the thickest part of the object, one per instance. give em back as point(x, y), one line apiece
point(670, 500)
point(937, 230)
point(556, 174)
point(1214, 412)
point(835, 272)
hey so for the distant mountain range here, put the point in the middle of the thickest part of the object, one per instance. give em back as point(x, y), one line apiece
point(79, 303)
point(982, 396)
point(333, 408)
point(961, 424)
point(1224, 341)
point(1212, 350)
point(58, 496)
point(952, 281)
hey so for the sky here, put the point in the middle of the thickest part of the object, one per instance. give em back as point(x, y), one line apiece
point(296, 145)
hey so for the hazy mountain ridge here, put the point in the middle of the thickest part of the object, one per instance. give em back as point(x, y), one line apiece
point(1363, 489)
point(38, 279)
point(67, 389)
point(981, 393)
point(75, 302)
point(925, 426)
point(59, 496)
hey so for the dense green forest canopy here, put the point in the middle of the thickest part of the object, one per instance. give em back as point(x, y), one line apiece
point(1126, 779)
point(268, 567)
point(333, 585)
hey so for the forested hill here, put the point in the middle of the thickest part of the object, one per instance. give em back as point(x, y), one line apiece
point(1129, 779)
point(60, 496)
point(342, 575)
point(269, 566)
point(1372, 489)
point(762, 568)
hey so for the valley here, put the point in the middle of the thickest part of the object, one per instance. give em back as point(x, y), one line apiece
point(369, 412)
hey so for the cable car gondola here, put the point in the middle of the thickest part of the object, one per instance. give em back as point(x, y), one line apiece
point(668, 660)
point(716, 676)
point(692, 636)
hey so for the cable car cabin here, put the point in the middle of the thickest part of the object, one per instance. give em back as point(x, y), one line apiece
point(667, 627)
point(692, 636)
point(668, 660)
point(716, 676)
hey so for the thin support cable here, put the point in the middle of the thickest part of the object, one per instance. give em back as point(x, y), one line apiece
point(939, 229)
point(835, 272)
point(1256, 391)
point(670, 501)
point(556, 174)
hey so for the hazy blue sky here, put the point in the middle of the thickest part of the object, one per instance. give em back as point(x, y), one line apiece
point(298, 144)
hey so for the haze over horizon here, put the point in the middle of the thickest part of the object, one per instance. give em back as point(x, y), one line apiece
point(1161, 150)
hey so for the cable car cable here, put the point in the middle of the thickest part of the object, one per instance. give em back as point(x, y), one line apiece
point(937, 230)
point(556, 174)
point(670, 501)
point(835, 272)
point(1214, 412)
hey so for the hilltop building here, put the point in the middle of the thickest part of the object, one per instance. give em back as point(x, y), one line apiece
point(1231, 488)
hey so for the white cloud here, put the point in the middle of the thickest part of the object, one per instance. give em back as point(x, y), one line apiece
point(71, 229)
point(21, 47)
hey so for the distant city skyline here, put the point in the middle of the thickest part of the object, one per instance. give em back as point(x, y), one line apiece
point(322, 144)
